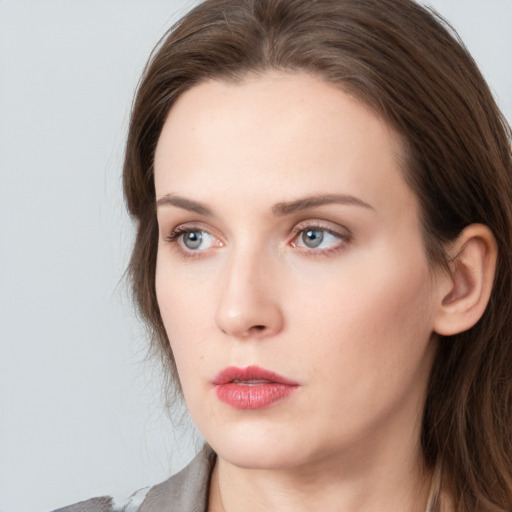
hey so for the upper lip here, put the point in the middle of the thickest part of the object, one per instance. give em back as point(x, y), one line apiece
point(250, 373)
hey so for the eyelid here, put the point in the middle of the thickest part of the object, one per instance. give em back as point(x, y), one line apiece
point(175, 237)
point(185, 227)
point(331, 227)
point(344, 235)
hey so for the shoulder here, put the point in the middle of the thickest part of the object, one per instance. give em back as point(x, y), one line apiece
point(186, 491)
point(108, 504)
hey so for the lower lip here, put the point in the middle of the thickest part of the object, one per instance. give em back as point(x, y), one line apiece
point(253, 396)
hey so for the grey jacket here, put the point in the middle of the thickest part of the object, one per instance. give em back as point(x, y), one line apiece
point(187, 491)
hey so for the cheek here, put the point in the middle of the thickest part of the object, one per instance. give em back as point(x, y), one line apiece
point(365, 293)
point(368, 315)
point(185, 303)
point(367, 348)
point(371, 319)
point(179, 291)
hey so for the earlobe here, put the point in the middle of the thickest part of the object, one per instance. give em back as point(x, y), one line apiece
point(465, 290)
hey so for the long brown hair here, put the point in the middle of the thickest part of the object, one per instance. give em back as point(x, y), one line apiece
point(406, 63)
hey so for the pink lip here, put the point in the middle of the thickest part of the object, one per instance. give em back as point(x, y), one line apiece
point(252, 387)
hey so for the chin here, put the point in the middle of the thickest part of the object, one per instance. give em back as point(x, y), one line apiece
point(253, 445)
point(254, 456)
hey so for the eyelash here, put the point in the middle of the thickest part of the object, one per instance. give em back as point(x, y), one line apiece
point(344, 239)
point(174, 238)
point(179, 231)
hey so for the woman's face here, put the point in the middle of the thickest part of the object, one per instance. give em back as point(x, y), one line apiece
point(290, 244)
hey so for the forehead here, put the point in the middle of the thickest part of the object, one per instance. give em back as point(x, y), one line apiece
point(286, 132)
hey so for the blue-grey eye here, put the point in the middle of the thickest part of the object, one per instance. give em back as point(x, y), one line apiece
point(312, 238)
point(193, 239)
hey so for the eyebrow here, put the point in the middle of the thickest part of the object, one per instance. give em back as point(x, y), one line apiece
point(307, 203)
point(185, 204)
point(278, 210)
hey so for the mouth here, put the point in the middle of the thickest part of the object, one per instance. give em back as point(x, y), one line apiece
point(252, 387)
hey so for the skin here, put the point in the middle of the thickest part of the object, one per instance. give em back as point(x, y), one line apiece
point(351, 320)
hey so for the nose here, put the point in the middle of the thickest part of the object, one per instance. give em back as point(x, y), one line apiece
point(249, 300)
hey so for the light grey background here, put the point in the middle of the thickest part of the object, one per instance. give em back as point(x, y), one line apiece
point(80, 411)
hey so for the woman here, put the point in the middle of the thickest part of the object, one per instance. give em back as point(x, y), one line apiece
point(322, 193)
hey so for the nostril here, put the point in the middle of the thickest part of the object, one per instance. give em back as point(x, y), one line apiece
point(258, 327)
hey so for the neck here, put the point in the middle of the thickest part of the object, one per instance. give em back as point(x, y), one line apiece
point(335, 483)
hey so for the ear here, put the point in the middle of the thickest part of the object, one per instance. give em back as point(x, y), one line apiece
point(464, 291)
